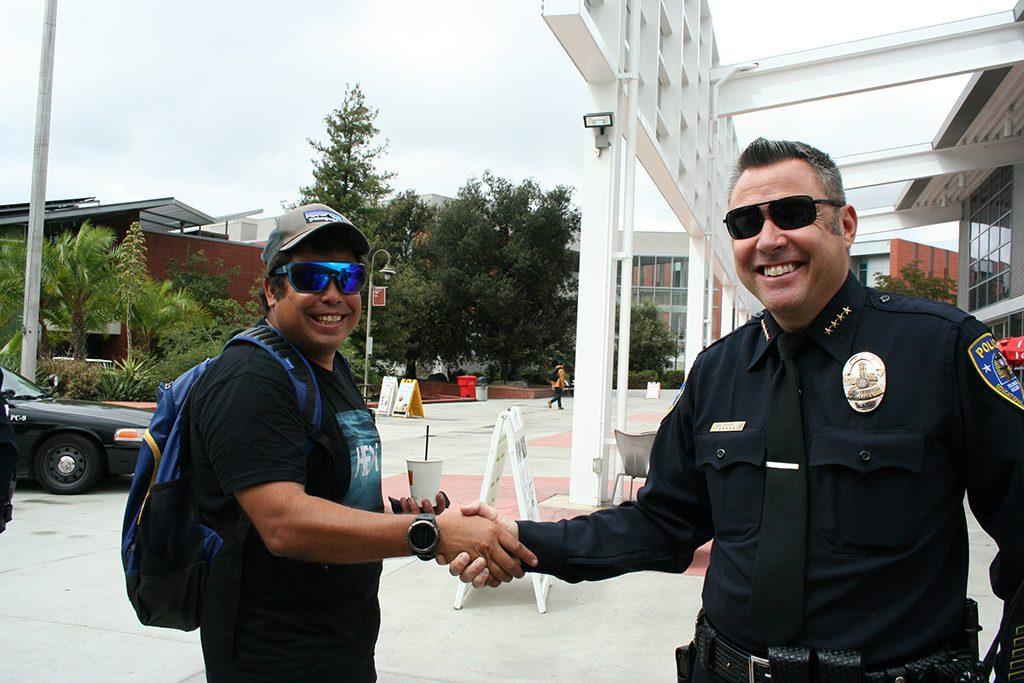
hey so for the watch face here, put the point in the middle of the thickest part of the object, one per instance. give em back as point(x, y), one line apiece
point(422, 536)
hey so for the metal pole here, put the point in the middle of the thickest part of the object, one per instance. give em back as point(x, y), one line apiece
point(37, 202)
point(369, 318)
point(626, 264)
point(369, 315)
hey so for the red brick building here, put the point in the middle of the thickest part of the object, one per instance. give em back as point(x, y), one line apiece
point(164, 222)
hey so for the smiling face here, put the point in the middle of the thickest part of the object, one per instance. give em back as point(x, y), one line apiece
point(316, 323)
point(795, 272)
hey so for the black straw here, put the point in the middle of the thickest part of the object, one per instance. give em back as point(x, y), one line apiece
point(426, 445)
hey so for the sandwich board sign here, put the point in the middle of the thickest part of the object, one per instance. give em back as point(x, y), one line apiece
point(508, 443)
point(388, 393)
point(654, 390)
point(408, 403)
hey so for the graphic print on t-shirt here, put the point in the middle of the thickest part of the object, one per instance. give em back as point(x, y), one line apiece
point(364, 454)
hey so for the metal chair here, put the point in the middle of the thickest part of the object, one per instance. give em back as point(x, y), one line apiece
point(635, 450)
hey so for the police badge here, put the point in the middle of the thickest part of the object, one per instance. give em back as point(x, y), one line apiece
point(864, 381)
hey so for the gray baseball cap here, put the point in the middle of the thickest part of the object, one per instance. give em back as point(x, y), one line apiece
point(301, 222)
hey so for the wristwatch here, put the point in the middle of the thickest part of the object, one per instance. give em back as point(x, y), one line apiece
point(423, 536)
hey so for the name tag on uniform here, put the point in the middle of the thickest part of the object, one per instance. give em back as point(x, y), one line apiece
point(729, 426)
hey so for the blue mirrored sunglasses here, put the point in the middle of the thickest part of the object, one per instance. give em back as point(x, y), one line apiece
point(312, 277)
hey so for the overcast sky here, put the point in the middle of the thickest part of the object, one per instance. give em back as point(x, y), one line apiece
point(212, 102)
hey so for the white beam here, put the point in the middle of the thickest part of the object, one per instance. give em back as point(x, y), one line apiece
point(649, 153)
point(985, 42)
point(581, 40)
point(921, 161)
point(874, 222)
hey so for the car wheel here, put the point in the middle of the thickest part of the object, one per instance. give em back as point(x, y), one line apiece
point(68, 464)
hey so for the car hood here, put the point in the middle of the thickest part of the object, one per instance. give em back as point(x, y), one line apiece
point(122, 416)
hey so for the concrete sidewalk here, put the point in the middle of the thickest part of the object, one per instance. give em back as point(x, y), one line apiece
point(66, 616)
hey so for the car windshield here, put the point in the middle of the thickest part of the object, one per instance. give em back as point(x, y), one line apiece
point(21, 387)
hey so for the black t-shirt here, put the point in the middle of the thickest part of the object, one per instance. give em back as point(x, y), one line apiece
point(294, 619)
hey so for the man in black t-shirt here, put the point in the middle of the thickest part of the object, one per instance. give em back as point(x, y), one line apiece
point(293, 592)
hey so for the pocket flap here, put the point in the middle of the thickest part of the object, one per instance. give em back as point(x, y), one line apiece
point(868, 450)
point(721, 449)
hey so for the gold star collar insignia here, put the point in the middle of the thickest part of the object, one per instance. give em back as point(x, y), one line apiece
point(838, 320)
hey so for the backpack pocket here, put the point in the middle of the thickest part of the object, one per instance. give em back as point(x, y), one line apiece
point(168, 589)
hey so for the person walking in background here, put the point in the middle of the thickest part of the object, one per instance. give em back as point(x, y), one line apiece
point(557, 378)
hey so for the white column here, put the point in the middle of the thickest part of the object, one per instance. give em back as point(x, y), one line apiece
point(728, 306)
point(591, 420)
point(695, 283)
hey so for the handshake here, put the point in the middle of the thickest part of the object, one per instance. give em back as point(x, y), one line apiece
point(478, 544)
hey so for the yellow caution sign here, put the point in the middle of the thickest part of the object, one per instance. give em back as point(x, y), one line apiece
point(409, 402)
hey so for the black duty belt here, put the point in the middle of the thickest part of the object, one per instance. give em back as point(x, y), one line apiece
point(800, 664)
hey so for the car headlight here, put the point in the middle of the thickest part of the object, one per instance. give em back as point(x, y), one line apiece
point(128, 435)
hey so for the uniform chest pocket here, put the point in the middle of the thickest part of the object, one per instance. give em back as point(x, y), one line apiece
point(866, 484)
point(733, 465)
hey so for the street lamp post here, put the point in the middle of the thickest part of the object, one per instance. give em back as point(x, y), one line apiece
point(387, 272)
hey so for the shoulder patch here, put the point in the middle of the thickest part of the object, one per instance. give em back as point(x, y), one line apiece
point(990, 363)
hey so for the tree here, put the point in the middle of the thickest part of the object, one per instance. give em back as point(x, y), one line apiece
point(160, 308)
point(345, 174)
point(130, 267)
point(205, 281)
point(651, 345)
point(915, 282)
point(502, 276)
point(83, 283)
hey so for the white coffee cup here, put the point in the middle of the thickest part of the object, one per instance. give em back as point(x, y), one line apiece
point(424, 478)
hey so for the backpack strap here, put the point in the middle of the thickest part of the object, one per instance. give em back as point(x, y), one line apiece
point(300, 372)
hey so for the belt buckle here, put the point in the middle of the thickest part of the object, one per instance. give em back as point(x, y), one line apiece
point(752, 662)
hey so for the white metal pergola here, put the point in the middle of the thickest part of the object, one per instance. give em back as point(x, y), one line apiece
point(686, 142)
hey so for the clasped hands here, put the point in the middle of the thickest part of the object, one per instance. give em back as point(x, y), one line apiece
point(483, 544)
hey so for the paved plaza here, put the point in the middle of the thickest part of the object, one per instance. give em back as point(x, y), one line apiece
point(65, 615)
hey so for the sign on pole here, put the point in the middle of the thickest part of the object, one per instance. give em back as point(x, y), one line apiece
point(379, 295)
point(508, 442)
point(388, 392)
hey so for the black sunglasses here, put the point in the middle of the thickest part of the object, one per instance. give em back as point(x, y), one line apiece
point(788, 213)
point(314, 276)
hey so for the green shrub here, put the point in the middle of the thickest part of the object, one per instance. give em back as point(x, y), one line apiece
point(639, 380)
point(130, 379)
point(78, 378)
point(673, 379)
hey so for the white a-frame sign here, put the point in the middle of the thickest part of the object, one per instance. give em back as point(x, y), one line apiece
point(508, 442)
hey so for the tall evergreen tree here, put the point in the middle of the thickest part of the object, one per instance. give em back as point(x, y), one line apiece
point(345, 173)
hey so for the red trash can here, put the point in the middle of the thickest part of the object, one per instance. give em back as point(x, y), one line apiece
point(467, 386)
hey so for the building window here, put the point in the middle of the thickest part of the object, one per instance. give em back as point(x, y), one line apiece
point(662, 280)
point(990, 217)
point(862, 272)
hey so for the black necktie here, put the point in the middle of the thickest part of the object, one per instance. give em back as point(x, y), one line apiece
point(777, 589)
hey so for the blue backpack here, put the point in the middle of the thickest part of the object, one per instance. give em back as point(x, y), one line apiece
point(165, 550)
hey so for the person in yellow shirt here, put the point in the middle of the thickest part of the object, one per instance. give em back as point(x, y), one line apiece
point(557, 379)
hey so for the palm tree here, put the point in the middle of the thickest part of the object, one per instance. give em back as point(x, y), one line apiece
point(12, 295)
point(158, 307)
point(83, 283)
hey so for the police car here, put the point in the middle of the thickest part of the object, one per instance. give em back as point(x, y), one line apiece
point(69, 445)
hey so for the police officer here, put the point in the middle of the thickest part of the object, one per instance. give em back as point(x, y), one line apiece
point(8, 463)
point(825, 446)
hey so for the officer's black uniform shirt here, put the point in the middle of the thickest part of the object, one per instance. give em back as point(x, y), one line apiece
point(887, 550)
point(8, 461)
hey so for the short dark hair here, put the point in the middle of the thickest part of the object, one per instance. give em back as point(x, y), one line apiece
point(322, 240)
point(762, 152)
